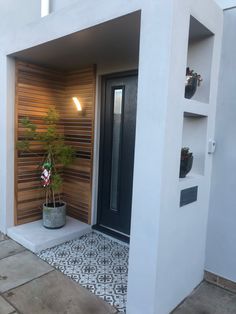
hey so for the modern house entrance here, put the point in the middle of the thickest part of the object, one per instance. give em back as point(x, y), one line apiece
point(66, 55)
point(118, 120)
point(103, 137)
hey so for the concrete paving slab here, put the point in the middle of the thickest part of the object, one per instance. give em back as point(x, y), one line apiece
point(36, 238)
point(5, 307)
point(18, 269)
point(9, 247)
point(54, 293)
point(208, 299)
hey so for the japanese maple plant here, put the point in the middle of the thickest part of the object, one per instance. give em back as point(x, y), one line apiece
point(56, 156)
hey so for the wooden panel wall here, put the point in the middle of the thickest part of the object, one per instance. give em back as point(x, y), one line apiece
point(37, 89)
point(78, 131)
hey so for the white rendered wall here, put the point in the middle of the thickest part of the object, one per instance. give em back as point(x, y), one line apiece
point(221, 242)
point(182, 230)
point(15, 13)
point(7, 131)
point(56, 5)
point(167, 243)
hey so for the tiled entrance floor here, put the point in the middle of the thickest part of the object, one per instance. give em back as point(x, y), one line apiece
point(28, 285)
point(97, 262)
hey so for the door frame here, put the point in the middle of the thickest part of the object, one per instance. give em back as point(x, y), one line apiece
point(104, 78)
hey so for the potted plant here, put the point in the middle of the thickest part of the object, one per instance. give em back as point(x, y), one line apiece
point(57, 155)
point(186, 162)
point(193, 80)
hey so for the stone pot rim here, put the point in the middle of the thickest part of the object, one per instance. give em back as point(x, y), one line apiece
point(64, 204)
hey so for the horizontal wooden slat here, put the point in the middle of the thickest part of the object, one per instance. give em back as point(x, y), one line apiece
point(37, 89)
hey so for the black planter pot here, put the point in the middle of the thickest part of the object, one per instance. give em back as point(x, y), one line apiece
point(185, 166)
point(191, 87)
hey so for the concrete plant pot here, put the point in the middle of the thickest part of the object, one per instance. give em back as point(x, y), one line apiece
point(54, 217)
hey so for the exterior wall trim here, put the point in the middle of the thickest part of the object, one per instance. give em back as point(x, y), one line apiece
point(220, 281)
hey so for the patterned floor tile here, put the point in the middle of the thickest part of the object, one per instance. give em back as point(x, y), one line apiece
point(95, 261)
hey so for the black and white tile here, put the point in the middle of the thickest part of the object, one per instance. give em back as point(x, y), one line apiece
point(95, 261)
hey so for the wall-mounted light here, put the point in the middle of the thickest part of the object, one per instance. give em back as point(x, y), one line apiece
point(77, 103)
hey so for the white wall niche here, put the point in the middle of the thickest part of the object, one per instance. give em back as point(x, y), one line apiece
point(194, 137)
point(199, 58)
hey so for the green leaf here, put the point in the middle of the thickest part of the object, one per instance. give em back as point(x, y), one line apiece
point(56, 151)
point(56, 182)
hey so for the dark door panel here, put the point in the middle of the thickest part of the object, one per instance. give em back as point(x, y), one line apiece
point(118, 120)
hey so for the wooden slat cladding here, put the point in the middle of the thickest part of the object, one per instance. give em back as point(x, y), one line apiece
point(38, 88)
point(78, 132)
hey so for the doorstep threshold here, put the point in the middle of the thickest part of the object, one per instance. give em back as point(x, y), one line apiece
point(36, 238)
point(112, 233)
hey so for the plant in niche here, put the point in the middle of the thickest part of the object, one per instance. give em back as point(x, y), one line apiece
point(57, 155)
point(186, 162)
point(193, 80)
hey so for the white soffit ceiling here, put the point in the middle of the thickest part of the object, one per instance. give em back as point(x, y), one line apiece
point(111, 43)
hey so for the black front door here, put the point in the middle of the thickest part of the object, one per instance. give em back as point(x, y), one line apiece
point(118, 119)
